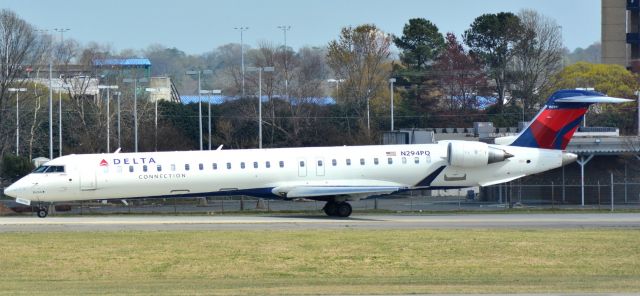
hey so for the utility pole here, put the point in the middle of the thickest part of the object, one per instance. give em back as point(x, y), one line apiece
point(284, 29)
point(260, 70)
point(108, 87)
point(391, 81)
point(50, 111)
point(199, 73)
point(17, 91)
point(242, 29)
point(135, 105)
point(212, 93)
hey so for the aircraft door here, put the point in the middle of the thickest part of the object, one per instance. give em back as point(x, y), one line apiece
point(88, 180)
point(319, 166)
point(302, 167)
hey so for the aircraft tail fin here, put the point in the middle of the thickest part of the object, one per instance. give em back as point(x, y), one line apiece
point(554, 125)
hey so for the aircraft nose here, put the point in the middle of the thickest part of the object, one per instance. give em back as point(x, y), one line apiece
point(568, 158)
point(12, 190)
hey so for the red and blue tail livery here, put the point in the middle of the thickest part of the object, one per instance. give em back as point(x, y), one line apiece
point(560, 117)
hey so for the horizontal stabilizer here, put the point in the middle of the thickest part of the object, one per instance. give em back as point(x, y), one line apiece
point(592, 100)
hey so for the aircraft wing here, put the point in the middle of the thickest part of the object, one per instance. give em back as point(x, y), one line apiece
point(303, 191)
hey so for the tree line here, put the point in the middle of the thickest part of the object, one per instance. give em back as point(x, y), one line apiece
point(500, 69)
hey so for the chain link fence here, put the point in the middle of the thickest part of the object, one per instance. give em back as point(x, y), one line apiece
point(625, 196)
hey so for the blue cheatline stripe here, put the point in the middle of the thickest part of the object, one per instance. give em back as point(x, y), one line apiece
point(429, 179)
point(557, 142)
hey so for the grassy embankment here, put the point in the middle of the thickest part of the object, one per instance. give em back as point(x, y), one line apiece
point(320, 262)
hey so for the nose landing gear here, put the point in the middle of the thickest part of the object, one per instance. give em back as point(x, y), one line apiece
point(337, 209)
point(42, 211)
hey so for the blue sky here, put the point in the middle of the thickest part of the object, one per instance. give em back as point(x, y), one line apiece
point(197, 26)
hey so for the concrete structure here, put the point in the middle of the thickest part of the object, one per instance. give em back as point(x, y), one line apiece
point(621, 33)
point(614, 29)
point(167, 91)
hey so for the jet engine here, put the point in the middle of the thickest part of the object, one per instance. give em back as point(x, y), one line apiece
point(467, 154)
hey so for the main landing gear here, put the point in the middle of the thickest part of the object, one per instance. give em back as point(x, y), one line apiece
point(337, 209)
point(42, 211)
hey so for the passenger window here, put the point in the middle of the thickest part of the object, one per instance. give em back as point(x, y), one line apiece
point(361, 161)
point(159, 168)
point(215, 166)
point(255, 164)
point(144, 168)
point(375, 161)
point(130, 169)
point(348, 161)
point(281, 164)
point(119, 169)
point(417, 160)
point(242, 165)
point(173, 167)
point(186, 167)
point(301, 164)
point(319, 163)
point(390, 160)
point(334, 162)
point(201, 166)
point(267, 164)
point(404, 160)
point(228, 165)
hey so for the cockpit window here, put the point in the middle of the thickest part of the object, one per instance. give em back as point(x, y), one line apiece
point(49, 169)
point(41, 169)
point(55, 169)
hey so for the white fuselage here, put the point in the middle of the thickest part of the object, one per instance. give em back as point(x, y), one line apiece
point(349, 172)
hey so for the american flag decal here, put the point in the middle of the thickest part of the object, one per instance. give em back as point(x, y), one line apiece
point(392, 153)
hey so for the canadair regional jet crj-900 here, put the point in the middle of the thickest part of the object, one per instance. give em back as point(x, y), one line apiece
point(332, 174)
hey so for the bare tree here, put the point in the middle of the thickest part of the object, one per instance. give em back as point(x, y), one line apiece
point(20, 46)
point(538, 55)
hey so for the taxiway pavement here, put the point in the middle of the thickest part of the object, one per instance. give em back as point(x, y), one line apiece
point(279, 222)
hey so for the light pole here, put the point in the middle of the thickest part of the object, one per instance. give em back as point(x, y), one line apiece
point(17, 91)
point(212, 92)
point(391, 81)
point(60, 89)
point(135, 106)
point(260, 70)
point(61, 31)
point(242, 29)
point(368, 113)
point(199, 73)
point(337, 82)
point(118, 94)
point(156, 90)
point(284, 29)
point(50, 111)
point(108, 87)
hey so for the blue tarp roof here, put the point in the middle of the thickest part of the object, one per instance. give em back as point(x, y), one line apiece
point(188, 99)
point(219, 99)
point(137, 62)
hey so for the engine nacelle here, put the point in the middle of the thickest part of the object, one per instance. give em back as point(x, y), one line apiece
point(467, 154)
